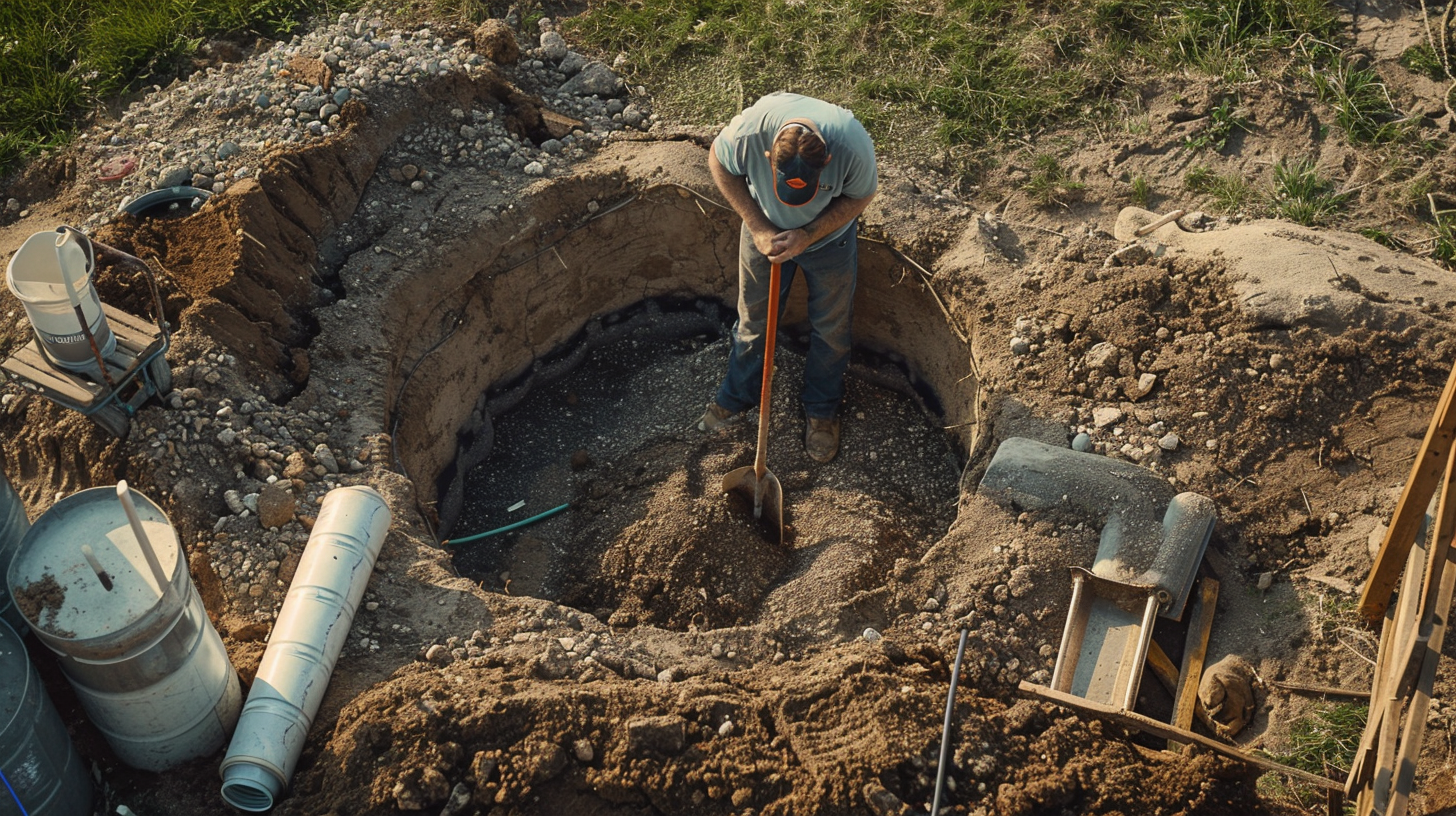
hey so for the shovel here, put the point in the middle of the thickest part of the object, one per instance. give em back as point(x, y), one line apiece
point(757, 482)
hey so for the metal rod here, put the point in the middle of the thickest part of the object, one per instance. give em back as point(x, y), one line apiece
point(142, 541)
point(75, 299)
point(1078, 581)
point(955, 678)
point(1145, 636)
point(101, 574)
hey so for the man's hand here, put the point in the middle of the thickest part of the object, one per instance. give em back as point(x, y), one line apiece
point(763, 239)
point(785, 246)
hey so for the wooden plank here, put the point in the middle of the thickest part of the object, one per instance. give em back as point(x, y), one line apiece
point(1194, 653)
point(1332, 691)
point(1415, 722)
point(1166, 731)
point(1163, 668)
point(1425, 474)
point(1399, 628)
point(1385, 757)
point(28, 364)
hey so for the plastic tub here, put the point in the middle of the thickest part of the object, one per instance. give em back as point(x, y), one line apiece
point(41, 772)
point(34, 276)
point(148, 667)
point(13, 524)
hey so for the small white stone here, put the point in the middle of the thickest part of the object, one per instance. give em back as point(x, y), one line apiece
point(871, 635)
point(1169, 442)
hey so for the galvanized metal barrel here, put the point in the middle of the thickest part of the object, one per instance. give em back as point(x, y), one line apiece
point(41, 772)
point(148, 667)
point(13, 525)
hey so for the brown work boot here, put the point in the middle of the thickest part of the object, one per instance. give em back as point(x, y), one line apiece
point(821, 439)
point(715, 417)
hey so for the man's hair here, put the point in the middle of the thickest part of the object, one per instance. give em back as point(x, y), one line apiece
point(799, 141)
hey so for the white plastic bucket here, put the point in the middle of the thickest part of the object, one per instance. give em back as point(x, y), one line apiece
point(148, 667)
point(40, 769)
point(13, 524)
point(35, 276)
point(303, 647)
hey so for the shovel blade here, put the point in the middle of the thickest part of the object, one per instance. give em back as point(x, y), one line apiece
point(765, 496)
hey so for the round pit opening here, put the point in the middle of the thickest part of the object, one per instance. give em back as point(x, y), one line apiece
point(592, 358)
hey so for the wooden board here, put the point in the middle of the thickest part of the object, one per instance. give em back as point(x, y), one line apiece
point(1425, 474)
point(1169, 732)
point(1185, 705)
point(136, 340)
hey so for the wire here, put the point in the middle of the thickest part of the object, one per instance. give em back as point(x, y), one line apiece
point(955, 678)
point(532, 520)
point(23, 811)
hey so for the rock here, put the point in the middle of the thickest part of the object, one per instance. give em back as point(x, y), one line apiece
point(664, 735)
point(342, 95)
point(288, 567)
point(174, 176)
point(227, 150)
point(1169, 442)
point(553, 46)
point(495, 41)
point(1020, 346)
point(1082, 443)
point(482, 767)
point(583, 750)
point(419, 788)
point(1102, 357)
point(262, 101)
point(459, 800)
point(409, 172)
point(871, 635)
point(1106, 415)
point(296, 466)
point(1145, 385)
point(881, 802)
point(553, 146)
point(1276, 361)
point(596, 79)
point(276, 504)
point(325, 457)
point(535, 168)
point(580, 459)
point(572, 63)
point(632, 116)
point(234, 501)
point(726, 729)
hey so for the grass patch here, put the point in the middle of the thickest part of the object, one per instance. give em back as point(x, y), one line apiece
point(1228, 193)
point(1142, 191)
point(1050, 183)
point(1226, 118)
point(1325, 740)
point(1302, 195)
point(60, 59)
point(1422, 59)
point(1362, 105)
point(975, 74)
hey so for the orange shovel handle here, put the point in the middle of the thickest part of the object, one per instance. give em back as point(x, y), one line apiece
point(760, 461)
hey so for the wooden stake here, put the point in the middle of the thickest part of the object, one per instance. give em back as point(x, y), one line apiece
point(1186, 703)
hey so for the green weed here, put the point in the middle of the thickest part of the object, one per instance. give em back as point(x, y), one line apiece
point(1050, 183)
point(1228, 116)
point(1362, 106)
point(1443, 243)
point(1142, 191)
point(1321, 742)
point(1229, 192)
point(1301, 195)
point(1422, 59)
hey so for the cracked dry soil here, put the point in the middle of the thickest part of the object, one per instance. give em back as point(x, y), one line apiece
point(682, 664)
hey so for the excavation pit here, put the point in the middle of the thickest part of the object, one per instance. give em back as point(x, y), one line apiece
point(649, 538)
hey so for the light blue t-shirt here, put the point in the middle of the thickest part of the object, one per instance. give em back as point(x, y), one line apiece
point(850, 172)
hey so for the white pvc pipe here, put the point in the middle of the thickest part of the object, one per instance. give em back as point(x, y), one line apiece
point(304, 645)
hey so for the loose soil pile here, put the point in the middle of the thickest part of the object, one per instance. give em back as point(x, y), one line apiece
point(649, 651)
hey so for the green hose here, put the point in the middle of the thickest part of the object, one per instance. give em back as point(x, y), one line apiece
point(522, 523)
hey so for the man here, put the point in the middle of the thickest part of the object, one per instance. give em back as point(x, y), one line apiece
point(798, 171)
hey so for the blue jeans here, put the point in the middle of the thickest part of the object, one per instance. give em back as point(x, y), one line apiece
point(829, 272)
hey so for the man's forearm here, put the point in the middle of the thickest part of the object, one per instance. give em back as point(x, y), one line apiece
point(840, 211)
point(735, 189)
